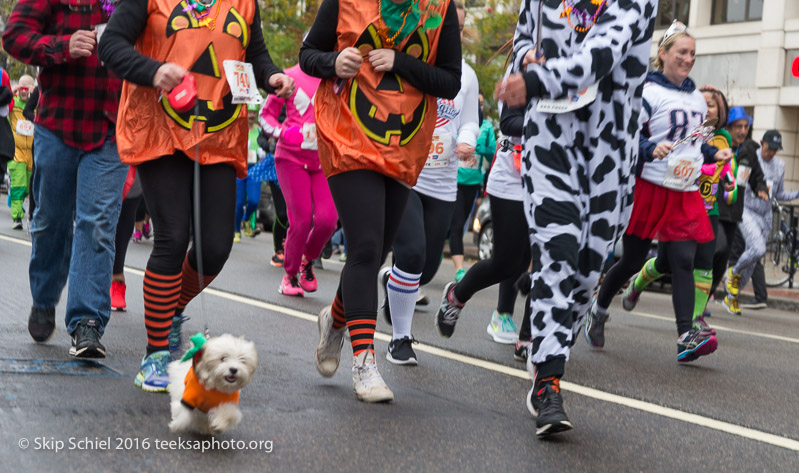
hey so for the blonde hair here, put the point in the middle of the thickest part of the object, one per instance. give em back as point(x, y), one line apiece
point(665, 45)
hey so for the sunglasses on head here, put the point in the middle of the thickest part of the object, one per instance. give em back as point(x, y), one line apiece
point(675, 27)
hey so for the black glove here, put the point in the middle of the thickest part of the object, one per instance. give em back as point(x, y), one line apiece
point(5, 96)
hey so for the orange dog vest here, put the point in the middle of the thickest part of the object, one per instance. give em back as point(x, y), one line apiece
point(196, 396)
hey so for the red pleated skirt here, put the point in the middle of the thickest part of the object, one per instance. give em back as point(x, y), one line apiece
point(668, 215)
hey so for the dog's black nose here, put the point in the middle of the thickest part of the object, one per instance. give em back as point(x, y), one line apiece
point(234, 370)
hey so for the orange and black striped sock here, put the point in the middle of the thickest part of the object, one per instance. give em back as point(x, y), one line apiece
point(362, 332)
point(337, 311)
point(191, 285)
point(160, 297)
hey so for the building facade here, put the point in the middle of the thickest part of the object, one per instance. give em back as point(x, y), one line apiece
point(746, 48)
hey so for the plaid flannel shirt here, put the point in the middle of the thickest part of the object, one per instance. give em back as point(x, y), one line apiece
point(79, 97)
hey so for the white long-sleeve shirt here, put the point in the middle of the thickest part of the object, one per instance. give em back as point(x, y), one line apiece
point(774, 175)
point(456, 123)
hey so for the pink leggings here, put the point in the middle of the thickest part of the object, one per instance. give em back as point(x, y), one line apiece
point(312, 213)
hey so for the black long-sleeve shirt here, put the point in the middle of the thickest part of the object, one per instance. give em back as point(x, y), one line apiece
point(126, 25)
point(318, 58)
point(29, 112)
point(511, 122)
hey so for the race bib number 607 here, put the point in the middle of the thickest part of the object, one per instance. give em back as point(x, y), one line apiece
point(681, 173)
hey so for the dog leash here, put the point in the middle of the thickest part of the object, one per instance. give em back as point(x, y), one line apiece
point(198, 247)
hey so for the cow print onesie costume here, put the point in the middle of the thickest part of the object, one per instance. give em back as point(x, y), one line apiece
point(578, 167)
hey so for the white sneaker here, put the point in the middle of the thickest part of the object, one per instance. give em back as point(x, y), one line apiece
point(328, 352)
point(502, 329)
point(366, 380)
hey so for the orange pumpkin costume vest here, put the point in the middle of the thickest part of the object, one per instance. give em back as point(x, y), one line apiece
point(379, 121)
point(196, 396)
point(148, 128)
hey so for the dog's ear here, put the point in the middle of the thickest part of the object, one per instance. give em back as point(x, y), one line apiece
point(196, 358)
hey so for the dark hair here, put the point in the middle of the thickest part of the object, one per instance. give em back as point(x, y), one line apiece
point(721, 105)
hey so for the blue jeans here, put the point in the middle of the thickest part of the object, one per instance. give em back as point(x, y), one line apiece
point(250, 190)
point(78, 197)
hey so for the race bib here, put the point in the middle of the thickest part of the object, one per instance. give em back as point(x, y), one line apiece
point(252, 156)
point(681, 173)
point(440, 151)
point(308, 136)
point(241, 79)
point(568, 104)
point(742, 176)
point(24, 128)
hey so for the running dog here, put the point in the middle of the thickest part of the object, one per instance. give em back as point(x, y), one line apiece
point(204, 385)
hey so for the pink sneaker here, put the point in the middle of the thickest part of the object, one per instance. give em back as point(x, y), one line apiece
point(118, 296)
point(307, 277)
point(290, 286)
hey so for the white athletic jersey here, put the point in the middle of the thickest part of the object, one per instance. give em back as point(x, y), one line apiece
point(671, 113)
point(456, 122)
point(504, 180)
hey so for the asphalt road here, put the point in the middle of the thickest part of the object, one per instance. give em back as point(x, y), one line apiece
point(462, 409)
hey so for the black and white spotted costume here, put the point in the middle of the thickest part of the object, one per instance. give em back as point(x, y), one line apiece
point(578, 166)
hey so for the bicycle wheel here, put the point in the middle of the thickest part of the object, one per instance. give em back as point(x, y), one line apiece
point(775, 262)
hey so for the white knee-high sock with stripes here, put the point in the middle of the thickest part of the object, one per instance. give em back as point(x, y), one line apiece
point(402, 291)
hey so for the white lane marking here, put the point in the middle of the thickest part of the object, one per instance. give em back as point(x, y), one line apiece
point(18, 241)
point(717, 327)
point(644, 406)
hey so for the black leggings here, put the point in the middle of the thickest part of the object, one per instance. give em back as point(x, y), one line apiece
point(370, 207)
point(127, 217)
point(463, 208)
point(280, 225)
point(510, 259)
point(725, 237)
point(703, 259)
point(680, 258)
point(168, 186)
point(421, 235)
point(141, 211)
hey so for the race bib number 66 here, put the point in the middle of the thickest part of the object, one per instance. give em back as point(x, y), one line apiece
point(440, 151)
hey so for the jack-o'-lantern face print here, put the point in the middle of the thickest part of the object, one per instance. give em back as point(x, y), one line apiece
point(381, 102)
point(207, 69)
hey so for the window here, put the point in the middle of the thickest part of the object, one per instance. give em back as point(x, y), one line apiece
point(670, 10)
point(791, 55)
point(733, 11)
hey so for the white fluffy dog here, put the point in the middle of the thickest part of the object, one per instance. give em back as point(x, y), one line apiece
point(204, 390)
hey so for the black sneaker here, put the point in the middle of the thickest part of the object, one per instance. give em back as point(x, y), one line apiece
point(383, 276)
point(755, 304)
point(17, 225)
point(594, 329)
point(327, 251)
point(547, 406)
point(423, 301)
point(400, 352)
point(86, 340)
point(522, 350)
point(448, 313)
point(41, 324)
point(695, 343)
